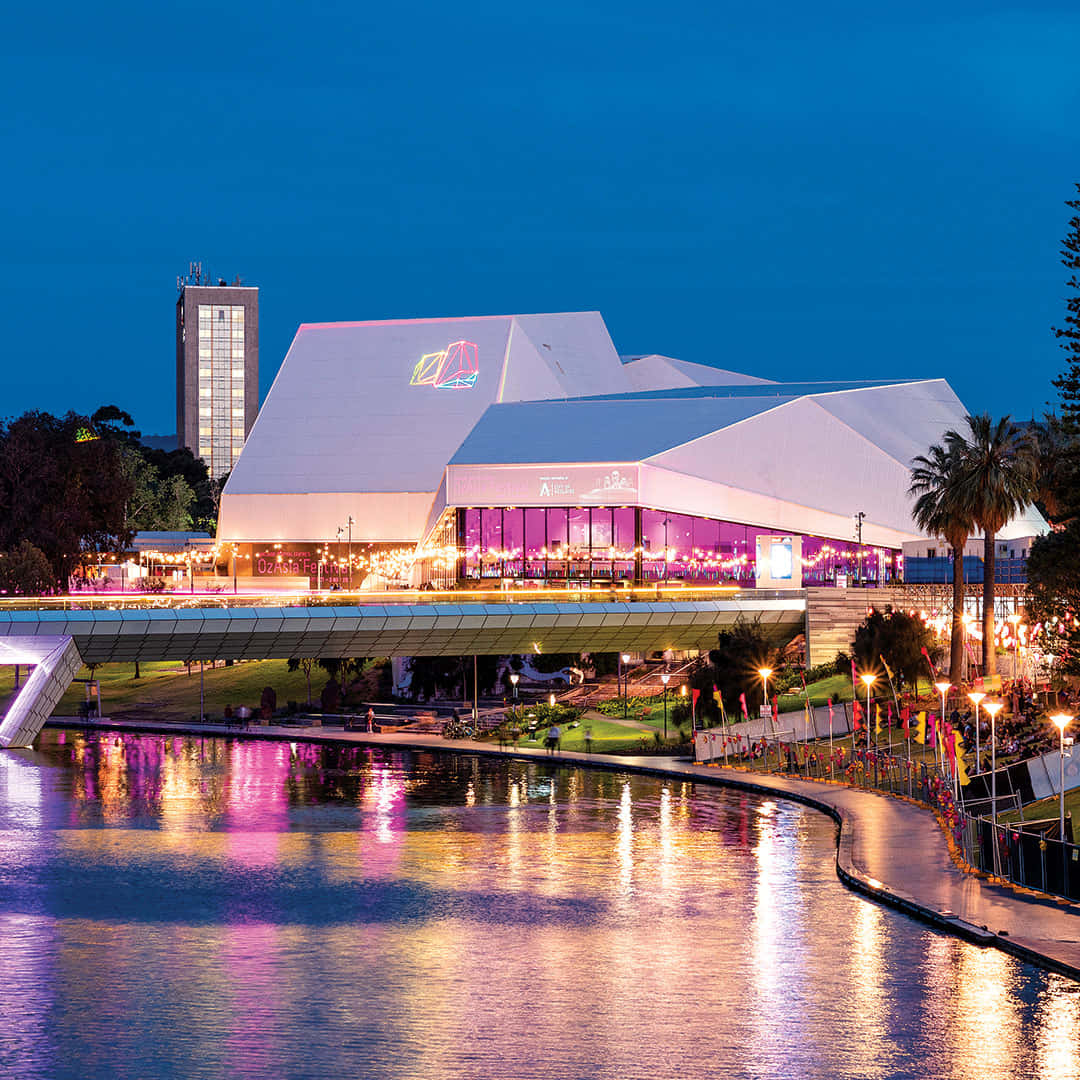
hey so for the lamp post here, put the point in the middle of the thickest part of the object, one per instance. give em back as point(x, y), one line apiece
point(975, 697)
point(624, 658)
point(514, 676)
point(868, 679)
point(665, 679)
point(765, 672)
point(1061, 721)
point(993, 708)
point(943, 688)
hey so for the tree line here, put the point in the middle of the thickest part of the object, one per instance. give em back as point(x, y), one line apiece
point(979, 478)
point(74, 486)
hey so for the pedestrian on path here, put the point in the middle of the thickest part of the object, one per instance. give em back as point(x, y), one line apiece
point(588, 738)
point(553, 737)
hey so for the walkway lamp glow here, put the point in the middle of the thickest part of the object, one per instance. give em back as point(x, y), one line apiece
point(975, 697)
point(868, 679)
point(765, 672)
point(514, 681)
point(551, 700)
point(665, 679)
point(1061, 721)
point(624, 659)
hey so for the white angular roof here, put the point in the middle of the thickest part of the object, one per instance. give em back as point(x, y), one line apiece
point(389, 422)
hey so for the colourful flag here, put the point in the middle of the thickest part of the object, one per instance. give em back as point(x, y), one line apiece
point(877, 724)
point(905, 715)
point(961, 767)
point(920, 728)
point(931, 731)
point(888, 670)
point(742, 702)
point(933, 670)
point(856, 716)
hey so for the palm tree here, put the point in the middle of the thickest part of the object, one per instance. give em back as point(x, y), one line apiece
point(996, 481)
point(939, 512)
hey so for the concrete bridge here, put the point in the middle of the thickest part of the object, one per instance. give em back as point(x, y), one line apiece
point(58, 638)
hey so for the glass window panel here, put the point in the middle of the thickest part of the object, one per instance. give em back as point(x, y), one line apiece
point(556, 529)
point(514, 533)
point(491, 532)
point(601, 529)
point(623, 531)
point(535, 533)
point(579, 532)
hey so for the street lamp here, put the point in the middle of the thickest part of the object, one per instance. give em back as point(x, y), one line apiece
point(665, 679)
point(1061, 720)
point(624, 658)
point(868, 681)
point(765, 672)
point(514, 680)
point(993, 708)
point(942, 688)
point(975, 697)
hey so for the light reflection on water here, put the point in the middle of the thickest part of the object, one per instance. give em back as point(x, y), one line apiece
point(206, 908)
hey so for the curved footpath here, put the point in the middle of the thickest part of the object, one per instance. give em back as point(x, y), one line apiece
point(888, 849)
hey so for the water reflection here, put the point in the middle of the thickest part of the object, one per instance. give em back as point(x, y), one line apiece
point(251, 909)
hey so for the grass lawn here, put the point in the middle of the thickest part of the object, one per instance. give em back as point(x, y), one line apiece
point(606, 736)
point(1049, 808)
point(169, 689)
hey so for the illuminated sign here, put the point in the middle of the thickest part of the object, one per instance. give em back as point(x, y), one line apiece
point(537, 485)
point(452, 368)
point(84, 434)
point(780, 560)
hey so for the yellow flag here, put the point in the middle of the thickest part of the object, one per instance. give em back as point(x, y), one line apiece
point(961, 768)
point(888, 670)
point(920, 728)
point(878, 726)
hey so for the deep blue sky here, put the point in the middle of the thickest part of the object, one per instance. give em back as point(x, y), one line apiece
point(828, 190)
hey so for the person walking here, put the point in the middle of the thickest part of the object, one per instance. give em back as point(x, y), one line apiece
point(370, 719)
point(553, 737)
point(588, 738)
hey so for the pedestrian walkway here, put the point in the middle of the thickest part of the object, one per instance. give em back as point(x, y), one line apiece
point(889, 849)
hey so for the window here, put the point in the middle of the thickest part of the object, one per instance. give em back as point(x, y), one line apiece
point(931, 553)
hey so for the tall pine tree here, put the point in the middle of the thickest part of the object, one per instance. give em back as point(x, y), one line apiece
point(1068, 383)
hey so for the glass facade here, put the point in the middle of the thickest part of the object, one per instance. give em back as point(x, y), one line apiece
point(221, 386)
point(629, 543)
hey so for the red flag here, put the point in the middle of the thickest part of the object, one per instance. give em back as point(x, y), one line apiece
point(933, 670)
point(694, 695)
point(854, 680)
point(742, 702)
point(856, 716)
point(905, 715)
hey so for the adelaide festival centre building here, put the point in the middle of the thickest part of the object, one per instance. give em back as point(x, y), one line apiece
point(525, 449)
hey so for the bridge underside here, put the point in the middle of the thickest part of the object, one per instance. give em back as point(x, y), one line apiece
point(63, 640)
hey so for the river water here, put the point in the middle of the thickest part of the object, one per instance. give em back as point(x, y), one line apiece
point(183, 907)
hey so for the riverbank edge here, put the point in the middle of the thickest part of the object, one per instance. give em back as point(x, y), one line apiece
point(678, 768)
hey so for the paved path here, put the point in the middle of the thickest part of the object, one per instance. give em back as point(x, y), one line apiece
point(888, 849)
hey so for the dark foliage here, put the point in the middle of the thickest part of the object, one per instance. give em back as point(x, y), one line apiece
point(899, 638)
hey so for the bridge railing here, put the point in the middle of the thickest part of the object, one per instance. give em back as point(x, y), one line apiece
point(313, 598)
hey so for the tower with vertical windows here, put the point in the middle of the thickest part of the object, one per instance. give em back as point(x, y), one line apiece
point(217, 367)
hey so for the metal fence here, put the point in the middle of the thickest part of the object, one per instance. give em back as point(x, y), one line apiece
point(1024, 854)
point(1030, 854)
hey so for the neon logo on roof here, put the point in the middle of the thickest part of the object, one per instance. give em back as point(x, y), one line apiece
point(454, 367)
